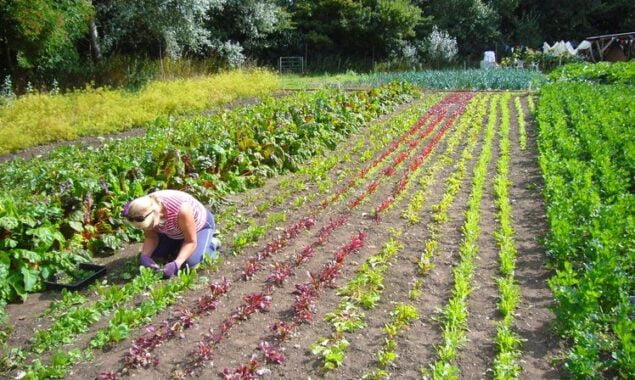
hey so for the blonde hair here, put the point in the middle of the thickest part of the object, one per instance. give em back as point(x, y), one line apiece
point(143, 206)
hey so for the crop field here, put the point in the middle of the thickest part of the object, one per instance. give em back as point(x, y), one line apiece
point(377, 234)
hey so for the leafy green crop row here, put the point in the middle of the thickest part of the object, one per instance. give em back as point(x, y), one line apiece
point(507, 361)
point(455, 313)
point(452, 186)
point(54, 209)
point(499, 79)
point(402, 316)
point(602, 73)
point(119, 327)
point(587, 156)
point(471, 118)
point(522, 125)
point(362, 292)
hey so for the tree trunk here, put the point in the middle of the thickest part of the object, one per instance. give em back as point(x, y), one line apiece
point(94, 44)
point(8, 53)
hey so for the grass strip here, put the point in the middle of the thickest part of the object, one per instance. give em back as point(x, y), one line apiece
point(41, 118)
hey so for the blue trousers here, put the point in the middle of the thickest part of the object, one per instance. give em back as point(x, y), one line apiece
point(169, 248)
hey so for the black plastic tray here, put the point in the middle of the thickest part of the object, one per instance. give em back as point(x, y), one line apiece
point(98, 271)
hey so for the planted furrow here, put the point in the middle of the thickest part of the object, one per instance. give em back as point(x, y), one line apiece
point(254, 232)
point(309, 292)
point(453, 185)
point(522, 128)
point(316, 172)
point(455, 313)
point(402, 316)
point(120, 325)
point(252, 266)
point(386, 355)
point(507, 362)
point(389, 170)
point(306, 297)
point(363, 173)
point(473, 117)
point(78, 319)
point(362, 292)
point(338, 345)
point(413, 168)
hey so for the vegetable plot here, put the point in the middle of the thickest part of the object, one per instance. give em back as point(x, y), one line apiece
point(361, 264)
point(56, 210)
point(587, 157)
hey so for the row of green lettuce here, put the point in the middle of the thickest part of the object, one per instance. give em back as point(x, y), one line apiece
point(601, 73)
point(58, 210)
point(587, 155)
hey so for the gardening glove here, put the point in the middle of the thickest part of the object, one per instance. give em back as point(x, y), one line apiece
point(147, 262)
point(170, 269)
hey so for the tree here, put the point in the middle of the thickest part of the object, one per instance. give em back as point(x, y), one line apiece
point(172, 26)
point(362, 28)
point(41, 35)
point(177, 27)
point(577, 19)
point(255, 26)
point(474, 23)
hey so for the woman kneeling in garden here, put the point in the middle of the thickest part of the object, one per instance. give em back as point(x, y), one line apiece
point(177, 227)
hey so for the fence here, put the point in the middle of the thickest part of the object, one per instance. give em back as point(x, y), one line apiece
point(291, 65)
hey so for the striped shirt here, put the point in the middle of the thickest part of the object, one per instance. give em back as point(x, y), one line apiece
point(173, 200)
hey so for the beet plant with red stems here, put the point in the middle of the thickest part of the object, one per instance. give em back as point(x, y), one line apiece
point(207, 303)
point(282, 330)
point(219, 287)
point(280, 273)
point(107, 375)
point(305, 254)
point(330, 272)
point(305, 298)
point(205, 351)
point(325, 232)
point(258, 301)
point(249, 371)
point(252, 266)
point(271, 353)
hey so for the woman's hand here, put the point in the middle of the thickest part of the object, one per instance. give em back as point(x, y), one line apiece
point(147, 262)
point(170, 269)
